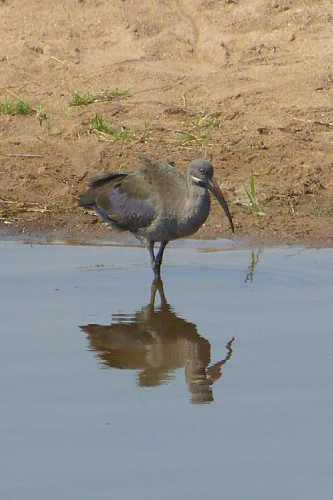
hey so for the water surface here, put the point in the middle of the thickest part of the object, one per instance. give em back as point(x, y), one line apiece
point(217, 385)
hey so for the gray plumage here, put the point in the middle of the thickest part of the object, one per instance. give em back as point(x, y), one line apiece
point(156, 203)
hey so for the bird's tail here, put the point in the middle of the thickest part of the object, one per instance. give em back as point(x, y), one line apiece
point(88, 199)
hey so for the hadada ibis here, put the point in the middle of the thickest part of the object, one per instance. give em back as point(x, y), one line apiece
point(156, 202)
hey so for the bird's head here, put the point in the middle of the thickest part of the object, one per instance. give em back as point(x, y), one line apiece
point(201, 173)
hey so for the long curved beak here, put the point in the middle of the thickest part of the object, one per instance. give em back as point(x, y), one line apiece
point(216, 191)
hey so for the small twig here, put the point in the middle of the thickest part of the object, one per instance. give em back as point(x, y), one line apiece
point(2, 200)
point(39, 210)
point(20, 203)
point(21, 85)
point(24, 155)
point(291, 207)
point(184, 132)
point(315, 122)
point(13, 94)
point(184, 100)
point(58, 60)
point(102, 98)
point(324, 124)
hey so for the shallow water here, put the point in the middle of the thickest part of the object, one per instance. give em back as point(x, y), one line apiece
point(107, 395)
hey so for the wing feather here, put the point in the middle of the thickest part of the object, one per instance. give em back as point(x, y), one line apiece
point(123, 200)
point(131, 201)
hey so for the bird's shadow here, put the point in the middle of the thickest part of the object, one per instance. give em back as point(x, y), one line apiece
point(156, 342)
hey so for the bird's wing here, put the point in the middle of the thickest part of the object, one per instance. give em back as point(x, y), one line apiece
point(156, 168)
point(168, 185)
point(121, 199)
point(105, 178)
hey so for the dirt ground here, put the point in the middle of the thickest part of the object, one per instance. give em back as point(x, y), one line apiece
point(246, 82)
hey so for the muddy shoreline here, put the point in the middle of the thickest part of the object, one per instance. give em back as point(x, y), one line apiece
point(105, 237)
point(173, 81)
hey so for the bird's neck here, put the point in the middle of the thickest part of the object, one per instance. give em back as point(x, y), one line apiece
point(197, 196)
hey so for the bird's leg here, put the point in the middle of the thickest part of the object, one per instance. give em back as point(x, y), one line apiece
point(153, 290)
point(150, 246)
point(160, 289)
point(156, 286)
point(158, 259)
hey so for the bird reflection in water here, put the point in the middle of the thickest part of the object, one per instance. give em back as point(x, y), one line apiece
point(156, 342)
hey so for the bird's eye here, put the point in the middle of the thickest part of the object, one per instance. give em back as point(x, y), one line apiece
point(201, 170)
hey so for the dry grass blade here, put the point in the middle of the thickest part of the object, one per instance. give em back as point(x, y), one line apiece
point(23, 155)
point(12, 210)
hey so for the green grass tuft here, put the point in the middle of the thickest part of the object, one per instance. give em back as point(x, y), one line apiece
point(252, 195)
point(210, 121)
point(82, 99)
point(187, 137)
point(123, 134)
point(98, 123)
point(107, 127)
point(16, 107)
point(322, 211)
point(116, 93)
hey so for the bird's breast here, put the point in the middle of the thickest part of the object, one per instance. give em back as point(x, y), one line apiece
point(194, 217)
point(179, 221)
